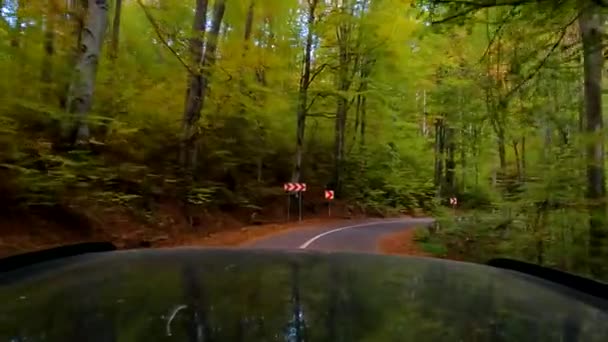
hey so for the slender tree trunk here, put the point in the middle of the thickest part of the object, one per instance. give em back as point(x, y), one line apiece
point(82, 86)
point(476, 149)
point(194, 92)
point(49, 49)
point(116, 29)
point(303, 93)
point(591, 23)
point(199, 87)
point(463, 161)
point(425, 129)
point(16, 34)
point(77, 14)
point(366, 67)
point(523, 158)
point(363, 121)
point(439, 136)
point(517, 159)
point(450, 166)
point(249, 24)
point(502, 151)
point(343, 35)
point(246, 43)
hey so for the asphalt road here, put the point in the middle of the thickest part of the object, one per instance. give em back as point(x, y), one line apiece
point(352, 236)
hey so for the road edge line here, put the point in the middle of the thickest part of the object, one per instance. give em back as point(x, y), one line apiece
point(317, 237)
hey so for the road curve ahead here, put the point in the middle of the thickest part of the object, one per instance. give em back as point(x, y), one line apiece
point(352, 236)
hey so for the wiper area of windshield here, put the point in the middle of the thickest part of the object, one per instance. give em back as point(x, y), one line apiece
point(28, 259)
point(569, 280)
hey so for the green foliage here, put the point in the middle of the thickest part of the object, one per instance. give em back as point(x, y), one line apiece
point(484, 112)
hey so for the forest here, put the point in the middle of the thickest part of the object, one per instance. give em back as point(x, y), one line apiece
point(128, 106)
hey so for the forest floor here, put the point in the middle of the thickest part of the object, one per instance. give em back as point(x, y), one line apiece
point(402, 243)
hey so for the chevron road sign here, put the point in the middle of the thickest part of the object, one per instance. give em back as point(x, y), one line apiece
point(294, 187)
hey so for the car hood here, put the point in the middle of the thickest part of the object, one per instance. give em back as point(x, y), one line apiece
point(229, 295)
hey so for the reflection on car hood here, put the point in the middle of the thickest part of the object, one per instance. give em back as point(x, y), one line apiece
point(215, 295)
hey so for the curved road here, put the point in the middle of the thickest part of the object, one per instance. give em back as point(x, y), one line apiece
point(351, 236)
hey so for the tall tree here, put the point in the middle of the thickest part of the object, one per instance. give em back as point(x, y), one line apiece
point(344, 77)
point(49, 46)
point(194, 93)
point(116, 29)
point(591, 28)
point(82, 86)
point(305, 80)
point(199, 89)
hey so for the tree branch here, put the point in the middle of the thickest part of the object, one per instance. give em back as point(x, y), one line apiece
point(540, 65)
point(473, 6)
point(317, 72)
point(158, 31)
point(326, 115)
point(498, 32)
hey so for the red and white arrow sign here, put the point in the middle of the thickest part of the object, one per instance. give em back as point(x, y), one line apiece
point(329, 195)
point(453, 201)
point(294, 187)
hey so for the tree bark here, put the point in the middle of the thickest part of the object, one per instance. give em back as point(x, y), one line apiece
point(249, 24)
point(194, 92)
point(450, 166)
point(76, 15)
point(116, 29)
point(343, 36)
point(198, 89)
point(439, 143)
point(425, 129)
point(303, 93)
point(82, 86)
point(590, 22)
point(517, 161)
point(16, 34)
point(49, 49)
point(523, 158)
point(246, 43)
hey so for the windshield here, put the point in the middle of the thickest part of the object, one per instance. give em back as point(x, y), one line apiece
point(262, 296)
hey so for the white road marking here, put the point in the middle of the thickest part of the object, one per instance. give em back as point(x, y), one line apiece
point(317, 237)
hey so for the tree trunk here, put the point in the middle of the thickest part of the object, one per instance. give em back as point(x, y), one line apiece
point(16, 34)
point(363, 121)
point(194, 92)
point(303, 93)
point(590, 22)
point(425, 128)
point(476, 149)
point(249, 24)
point(523, 158)
point(116, 29)
point(517, 159)
point(343, 35)
point(49, 49)
point(463, 161)
point(246, 43)
point(450, 162)
point(439, 135)
point(199, 83)
point(82, 86)
point(502, 151)
point(76, 13)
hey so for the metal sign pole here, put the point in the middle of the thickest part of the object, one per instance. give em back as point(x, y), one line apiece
point(329, 208)
point(300, 195)
point(288, 205)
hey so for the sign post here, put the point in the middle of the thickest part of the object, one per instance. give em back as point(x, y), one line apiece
point(329, 196)
point(298, 189)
